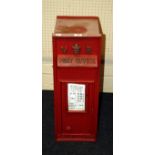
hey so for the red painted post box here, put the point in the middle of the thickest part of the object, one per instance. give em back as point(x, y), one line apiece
point(76, 62)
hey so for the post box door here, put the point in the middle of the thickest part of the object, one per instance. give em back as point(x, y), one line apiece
point(77, 117)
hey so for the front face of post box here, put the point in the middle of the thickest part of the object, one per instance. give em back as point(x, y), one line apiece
point(76, 62)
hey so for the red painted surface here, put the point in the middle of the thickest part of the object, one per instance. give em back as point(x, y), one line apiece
point(76, 125)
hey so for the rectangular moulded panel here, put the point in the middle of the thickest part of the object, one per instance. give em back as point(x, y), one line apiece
point(79, 121)
point(77, 61)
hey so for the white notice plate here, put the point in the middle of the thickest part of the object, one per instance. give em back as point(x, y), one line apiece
point(76, 97)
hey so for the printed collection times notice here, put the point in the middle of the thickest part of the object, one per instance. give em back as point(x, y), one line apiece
point(76, 97)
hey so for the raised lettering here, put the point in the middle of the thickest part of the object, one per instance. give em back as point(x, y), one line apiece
point(72, 60)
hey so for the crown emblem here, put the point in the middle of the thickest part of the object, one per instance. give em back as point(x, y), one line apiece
point(76, 48)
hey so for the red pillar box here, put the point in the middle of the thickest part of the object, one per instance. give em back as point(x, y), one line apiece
point(76, 62)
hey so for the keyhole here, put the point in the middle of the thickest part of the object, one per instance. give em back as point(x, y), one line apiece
point(68, 128)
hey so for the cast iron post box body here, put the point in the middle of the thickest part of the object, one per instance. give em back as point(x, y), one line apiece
point(76, 63)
